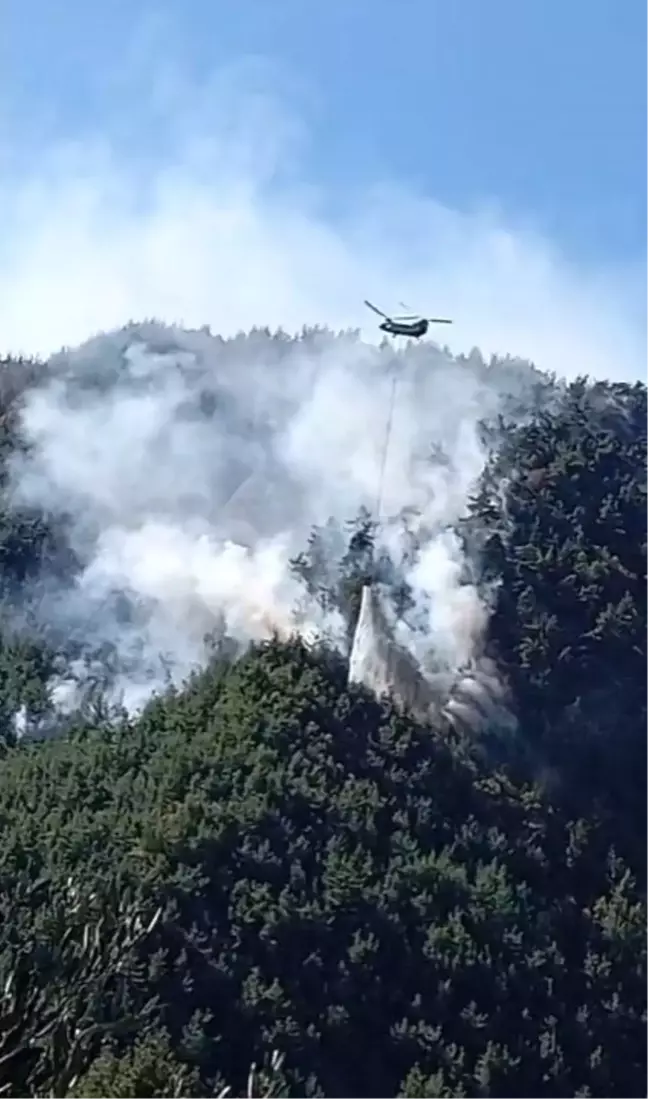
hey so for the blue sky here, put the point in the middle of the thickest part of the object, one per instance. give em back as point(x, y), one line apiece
point(509, 137)
point(538, 105)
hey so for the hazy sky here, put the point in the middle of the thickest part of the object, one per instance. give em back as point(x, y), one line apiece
point(278, 160)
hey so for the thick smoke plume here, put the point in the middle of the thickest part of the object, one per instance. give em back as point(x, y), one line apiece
point(190, 471)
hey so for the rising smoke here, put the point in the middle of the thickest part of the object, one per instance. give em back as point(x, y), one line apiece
point(190, 471)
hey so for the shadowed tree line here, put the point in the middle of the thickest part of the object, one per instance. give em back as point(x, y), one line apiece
point(567, 544)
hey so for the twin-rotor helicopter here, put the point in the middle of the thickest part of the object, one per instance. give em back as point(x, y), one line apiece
point(406, 324)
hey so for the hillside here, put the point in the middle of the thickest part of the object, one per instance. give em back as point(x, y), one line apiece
point(335, 882)
point(212, 851)
point(216, 459)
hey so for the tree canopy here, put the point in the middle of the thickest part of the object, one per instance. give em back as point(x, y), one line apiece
point(268, 867)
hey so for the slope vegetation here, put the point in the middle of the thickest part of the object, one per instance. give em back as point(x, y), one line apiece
point(264, 858)
point(334, 881)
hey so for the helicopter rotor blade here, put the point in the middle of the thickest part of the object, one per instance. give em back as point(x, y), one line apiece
point(410, 315)
point(417, 317)
point(378, 311)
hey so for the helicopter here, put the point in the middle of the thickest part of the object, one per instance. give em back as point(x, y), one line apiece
point(406, 324)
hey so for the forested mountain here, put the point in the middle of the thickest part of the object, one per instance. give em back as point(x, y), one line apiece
point(217, 852)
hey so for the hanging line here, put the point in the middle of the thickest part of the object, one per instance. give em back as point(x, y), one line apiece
point(388, 431)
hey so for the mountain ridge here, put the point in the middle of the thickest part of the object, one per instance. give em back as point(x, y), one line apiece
point(255, 854)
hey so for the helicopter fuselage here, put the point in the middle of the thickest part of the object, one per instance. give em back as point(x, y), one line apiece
point(414, 329)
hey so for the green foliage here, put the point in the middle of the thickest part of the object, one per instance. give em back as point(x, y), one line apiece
point(338, 561)
point(147, 1068)
point(334, 883)
point(64, 969)
point(269, 869)
point(567, 542)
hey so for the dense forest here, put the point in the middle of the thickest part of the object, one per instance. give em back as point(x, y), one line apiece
point(267, 881)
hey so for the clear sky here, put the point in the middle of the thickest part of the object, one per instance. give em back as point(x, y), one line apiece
point(530, 113)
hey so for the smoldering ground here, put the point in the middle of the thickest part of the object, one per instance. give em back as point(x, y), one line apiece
point(191, 469)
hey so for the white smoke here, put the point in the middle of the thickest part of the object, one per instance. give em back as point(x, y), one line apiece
point(191, 470)
point(470, 696)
